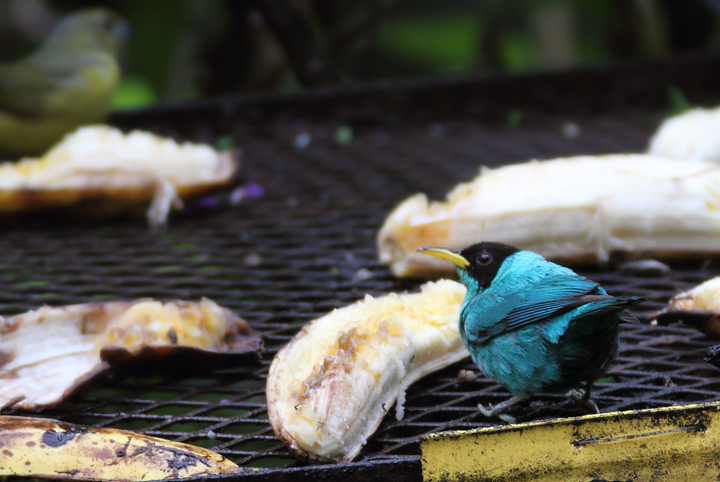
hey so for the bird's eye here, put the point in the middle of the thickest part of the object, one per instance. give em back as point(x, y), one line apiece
point(484, 259)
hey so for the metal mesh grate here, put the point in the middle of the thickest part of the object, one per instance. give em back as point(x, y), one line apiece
point(307, 247)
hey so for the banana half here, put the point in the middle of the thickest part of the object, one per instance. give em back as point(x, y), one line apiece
point(698, 307)
point(35, 447)
point(102, 171)
point(329, 388)
point(572, 209)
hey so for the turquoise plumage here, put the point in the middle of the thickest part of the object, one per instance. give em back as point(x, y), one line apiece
point(532, 325)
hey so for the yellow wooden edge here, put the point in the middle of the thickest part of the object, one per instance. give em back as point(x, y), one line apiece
point(672, 443)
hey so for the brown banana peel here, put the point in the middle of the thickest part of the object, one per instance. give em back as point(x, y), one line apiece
point(46, 354)
point(46, 448)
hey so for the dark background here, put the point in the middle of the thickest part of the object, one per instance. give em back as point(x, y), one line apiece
point(184, 49)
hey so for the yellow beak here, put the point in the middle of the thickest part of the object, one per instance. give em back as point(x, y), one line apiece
point(452, 255)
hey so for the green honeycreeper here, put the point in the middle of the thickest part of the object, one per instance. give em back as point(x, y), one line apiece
point(532, 325)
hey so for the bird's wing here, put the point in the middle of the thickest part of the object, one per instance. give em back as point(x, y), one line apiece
point(600, 305)
point(551, 297)
point(29, 88)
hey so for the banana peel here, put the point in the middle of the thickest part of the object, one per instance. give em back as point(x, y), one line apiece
point(46, 354)
point(46, 448)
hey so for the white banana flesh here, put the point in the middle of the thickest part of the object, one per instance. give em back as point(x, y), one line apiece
point(571, 209)
point(330, 387)
point(102, 165)
point(698, 307)
point(35, 447)
point(690, 135)
point(704, 297)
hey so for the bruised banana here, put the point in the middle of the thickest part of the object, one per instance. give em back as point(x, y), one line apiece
point(329, 388)
point(45, 448)
point(573, 209)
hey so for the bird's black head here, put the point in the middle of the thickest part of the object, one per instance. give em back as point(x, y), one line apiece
point(480, 261)
point(485, 260)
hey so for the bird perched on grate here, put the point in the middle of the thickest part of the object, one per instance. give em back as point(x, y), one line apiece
point(532, 325)
point(68, 82)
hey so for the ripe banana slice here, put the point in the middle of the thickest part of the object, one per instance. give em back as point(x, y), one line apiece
point(45, 448)
point(698, 307)
point(102, 170)
point(329, 388)
point(573, 209)
point(690, 135)
point(705, 296)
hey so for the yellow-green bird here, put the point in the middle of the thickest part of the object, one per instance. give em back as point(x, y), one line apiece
point(67, 83)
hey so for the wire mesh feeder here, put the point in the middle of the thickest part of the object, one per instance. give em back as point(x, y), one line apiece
point(308, 247)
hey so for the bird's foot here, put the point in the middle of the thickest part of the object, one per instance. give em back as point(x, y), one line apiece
point(582, 397)
point(507, 418)
point(576, 394)
point(498, 410)
point(491, 411)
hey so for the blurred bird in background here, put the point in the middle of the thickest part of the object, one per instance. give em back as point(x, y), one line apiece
point(69, 82)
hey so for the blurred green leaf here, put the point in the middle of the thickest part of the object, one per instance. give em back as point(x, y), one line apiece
point(518, 51)
point(224, 143)
point(678, 101)
point(442, 43)
point(156, 28)
point(133, 92)
point(514, 118)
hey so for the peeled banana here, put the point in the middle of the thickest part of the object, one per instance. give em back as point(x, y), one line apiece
point(573, 209)
point(329, 388)
point(690, 135)
point(698, 307)
point(100, 169)
point(35, 447)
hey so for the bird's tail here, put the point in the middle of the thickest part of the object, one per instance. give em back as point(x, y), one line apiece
point(626, 316)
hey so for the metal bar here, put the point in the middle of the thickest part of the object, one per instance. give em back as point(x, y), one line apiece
point(675, 443)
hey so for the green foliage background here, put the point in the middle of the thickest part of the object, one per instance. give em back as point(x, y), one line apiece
point(184, 49)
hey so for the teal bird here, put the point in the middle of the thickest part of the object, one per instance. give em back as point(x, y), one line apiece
point(532, 325)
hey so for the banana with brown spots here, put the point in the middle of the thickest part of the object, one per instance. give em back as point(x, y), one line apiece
point(330, 387)
point(45, 448)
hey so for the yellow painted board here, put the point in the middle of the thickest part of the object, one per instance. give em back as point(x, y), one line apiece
point(672, 443)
